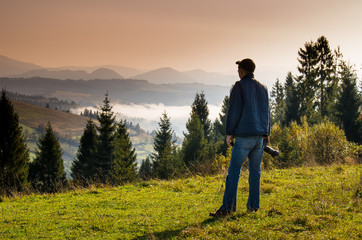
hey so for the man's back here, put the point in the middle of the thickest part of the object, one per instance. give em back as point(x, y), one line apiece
point(248, 109)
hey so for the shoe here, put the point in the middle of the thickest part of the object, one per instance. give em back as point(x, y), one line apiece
point(250, 210)
point(219, 213)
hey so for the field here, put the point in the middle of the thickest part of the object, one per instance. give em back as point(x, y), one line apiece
point(297, 203)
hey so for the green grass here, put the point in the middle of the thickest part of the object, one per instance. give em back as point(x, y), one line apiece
point(298, 203)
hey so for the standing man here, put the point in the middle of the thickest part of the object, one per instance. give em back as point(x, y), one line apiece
point(247, 125)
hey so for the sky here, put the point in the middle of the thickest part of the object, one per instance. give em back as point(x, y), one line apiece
point(183, 34)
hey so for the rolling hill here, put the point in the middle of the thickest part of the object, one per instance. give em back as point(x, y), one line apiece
point(69, 128)
point(64, 123)
point(90, 93)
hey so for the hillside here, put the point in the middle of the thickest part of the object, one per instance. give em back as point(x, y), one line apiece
point(69, 128)
point(298, 203)
point(91, 92)
point(64, 123)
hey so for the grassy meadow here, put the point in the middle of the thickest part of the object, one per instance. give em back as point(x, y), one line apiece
point(296, 203)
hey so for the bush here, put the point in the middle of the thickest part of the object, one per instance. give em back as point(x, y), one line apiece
point(291, 146)
point(322, 144)
point(328, 143)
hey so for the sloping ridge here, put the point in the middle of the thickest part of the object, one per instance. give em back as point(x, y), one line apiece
point(64, 123)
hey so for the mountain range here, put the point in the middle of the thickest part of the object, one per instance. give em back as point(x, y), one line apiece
point(166, 75)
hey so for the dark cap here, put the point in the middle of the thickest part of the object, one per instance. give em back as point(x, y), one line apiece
point(246, 64)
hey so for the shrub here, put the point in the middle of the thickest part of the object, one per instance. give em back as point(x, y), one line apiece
point(328, 143)
point(290, 147)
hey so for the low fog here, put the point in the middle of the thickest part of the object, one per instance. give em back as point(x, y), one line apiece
point(148, 115)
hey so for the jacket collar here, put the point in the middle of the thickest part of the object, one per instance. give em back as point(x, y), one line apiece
point(248, 76)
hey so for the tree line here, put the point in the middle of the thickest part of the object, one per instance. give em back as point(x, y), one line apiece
point(325, 89)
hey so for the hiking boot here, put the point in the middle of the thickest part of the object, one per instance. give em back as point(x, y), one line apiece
point(219, 213)
point(252, 210)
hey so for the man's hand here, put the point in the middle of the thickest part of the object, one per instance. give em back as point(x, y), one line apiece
point(267, 139)
point(230, 140)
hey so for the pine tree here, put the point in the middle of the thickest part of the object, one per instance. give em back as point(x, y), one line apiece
point(14, 157)
point(307, 81)
point(124, 165)
point(194, 147)
point(219, 128)
point(326, 70)
point(84, 167)
point(165, 164)
point(278, 103)
point(291, 100)
point(199, 107)
point(145, 172)
point(47, 170)
point(106, 131)
point(348, 104)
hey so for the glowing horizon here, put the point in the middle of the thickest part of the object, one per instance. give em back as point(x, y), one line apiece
point(185, 35)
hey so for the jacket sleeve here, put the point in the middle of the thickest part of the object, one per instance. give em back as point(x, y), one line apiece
point(234, 110)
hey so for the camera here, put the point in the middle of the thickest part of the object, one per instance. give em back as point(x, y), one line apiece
point(271, 151)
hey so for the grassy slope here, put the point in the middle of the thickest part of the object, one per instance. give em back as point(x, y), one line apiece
point(65, 124)
point(300, 203)
point(68, 126)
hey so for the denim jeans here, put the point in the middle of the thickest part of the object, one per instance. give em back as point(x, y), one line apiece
point(251, 147)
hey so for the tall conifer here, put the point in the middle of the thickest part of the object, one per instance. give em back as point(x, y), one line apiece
point(106, 131)
point(292, 100)
point(348, 104)
point(307, 81)
point(199, 107)
point(14, 157)
point(219, 128)
point(165, 163)
point(278, 103)
point(47, 170)
point(326, 71)
point(124, 165)
point(194, 146)
point(84, 167)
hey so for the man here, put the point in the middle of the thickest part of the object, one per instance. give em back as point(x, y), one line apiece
point(248, 122)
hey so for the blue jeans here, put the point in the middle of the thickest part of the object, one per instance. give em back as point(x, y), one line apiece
point(251, 147)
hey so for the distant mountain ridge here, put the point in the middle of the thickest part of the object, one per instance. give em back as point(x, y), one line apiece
point(92, 92)
point(9, 66)
point(101, 73)
point(164, 76)
point(13, 68)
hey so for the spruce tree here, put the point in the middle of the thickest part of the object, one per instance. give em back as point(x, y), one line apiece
point(278, 103)
point(326, 71)
point(145, 172)
point(164, 161)
point(219, 128)
point(124, 165)
point(307, 81)
point(47, 170)
point(84, 167)
point(291, 100)
point(14, 157)
point(106, 131)
point(348, 104)
point(199, 107)
point(194, 147)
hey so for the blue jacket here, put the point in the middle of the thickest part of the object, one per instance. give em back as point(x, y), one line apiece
point(248, 112)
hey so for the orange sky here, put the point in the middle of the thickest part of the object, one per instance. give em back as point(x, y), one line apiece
point(185, 34)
